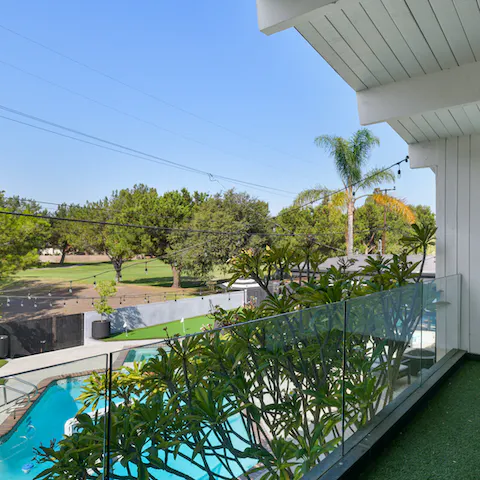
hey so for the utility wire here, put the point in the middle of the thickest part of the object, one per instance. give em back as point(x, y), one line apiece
point(147, 94)
point(123, 112)
point(340, 190)
point(130, 151)
point(166, 229)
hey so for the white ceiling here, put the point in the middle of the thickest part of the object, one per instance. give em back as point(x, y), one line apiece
point(377, 42)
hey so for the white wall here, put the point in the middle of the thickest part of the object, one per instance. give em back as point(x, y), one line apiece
point(163, 312)
point(456, 162)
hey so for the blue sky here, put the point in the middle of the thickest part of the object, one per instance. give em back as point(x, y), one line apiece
point(205, 57)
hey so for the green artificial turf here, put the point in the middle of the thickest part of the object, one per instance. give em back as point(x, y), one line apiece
point(192, 325)
point(442, 441)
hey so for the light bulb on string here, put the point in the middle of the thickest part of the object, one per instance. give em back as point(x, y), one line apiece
point(34, 303)
point(95, 280)
point(148, 299)
point(51, 304)
point(70, 290)
point(92, 302)
point(399, 173)
point(8, 302)
point(50, 293)
point(21, 303)
point(64, 304)
point(29, 296)
point(146, 269)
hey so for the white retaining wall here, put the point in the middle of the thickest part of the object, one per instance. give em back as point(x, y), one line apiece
point(163, 312)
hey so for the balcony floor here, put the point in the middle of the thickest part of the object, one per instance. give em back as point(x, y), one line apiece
point(442, 441)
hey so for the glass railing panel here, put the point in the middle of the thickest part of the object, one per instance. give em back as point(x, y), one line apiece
point(439, 331)
point(38, 411)
point(380, 329)
point(263, 397)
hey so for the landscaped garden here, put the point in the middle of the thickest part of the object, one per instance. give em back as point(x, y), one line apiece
point(267, 391)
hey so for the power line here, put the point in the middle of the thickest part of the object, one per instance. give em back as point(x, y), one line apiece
point(130, 151)
point(123, 112)
point(154, 227)
point(147, 94)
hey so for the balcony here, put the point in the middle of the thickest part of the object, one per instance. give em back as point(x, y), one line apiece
point(290, 396)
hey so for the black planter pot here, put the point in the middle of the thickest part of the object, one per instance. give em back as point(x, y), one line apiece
point(100, 329)
point(419, 359)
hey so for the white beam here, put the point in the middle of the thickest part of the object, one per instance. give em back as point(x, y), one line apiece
point(448, 88)
point(426, 154)
point(277, 15)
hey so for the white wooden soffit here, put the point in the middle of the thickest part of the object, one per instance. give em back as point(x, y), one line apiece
point(427, 93)
point(277, 15)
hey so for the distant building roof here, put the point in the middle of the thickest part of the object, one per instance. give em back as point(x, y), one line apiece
point(361, 261)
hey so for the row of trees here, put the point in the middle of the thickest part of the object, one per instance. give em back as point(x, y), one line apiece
point(337, 225)
point(246, 221)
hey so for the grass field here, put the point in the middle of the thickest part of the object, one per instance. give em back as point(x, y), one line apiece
point(192, 325)
point(159, 274)
point(440, 442)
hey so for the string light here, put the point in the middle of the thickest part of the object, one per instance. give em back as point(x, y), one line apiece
point(50, 293)
point(21, 303)
point(146, 269)
point(34, 303)
point(95, 280)
point(70, 290)
point(29, 296)
point(92, 302)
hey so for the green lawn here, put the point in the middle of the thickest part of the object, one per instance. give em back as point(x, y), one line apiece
point(133, 272)
point(192, 325)
point(441, 442)
point(3, 362)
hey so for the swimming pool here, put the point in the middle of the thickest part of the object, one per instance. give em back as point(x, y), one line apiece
point(141, 354)
point(45, 421)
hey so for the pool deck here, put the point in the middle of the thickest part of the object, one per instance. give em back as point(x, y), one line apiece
point(20, 365)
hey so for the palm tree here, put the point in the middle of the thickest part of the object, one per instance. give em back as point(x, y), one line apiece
point(351, 157)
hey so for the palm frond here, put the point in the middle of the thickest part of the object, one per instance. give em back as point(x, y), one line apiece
point(310, 195)
point(339, 200)
point(339, 149)
point(375, 177)
point(362, 142)
point(395, 205)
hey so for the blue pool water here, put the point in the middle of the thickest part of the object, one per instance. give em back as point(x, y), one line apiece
point(141, 354)
point(45, 421)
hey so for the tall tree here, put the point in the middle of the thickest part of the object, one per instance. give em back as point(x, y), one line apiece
point(118, 243)
point(351, 157)
point(237, 214)
point(20, 237)
point(174, 209)
point(60, 237)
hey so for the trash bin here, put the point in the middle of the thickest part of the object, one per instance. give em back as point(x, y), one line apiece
point(3, 346)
